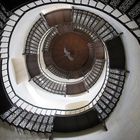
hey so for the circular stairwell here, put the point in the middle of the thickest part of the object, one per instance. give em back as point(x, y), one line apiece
point(46, 120)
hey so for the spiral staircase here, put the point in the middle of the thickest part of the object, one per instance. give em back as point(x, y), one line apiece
point(107, 63)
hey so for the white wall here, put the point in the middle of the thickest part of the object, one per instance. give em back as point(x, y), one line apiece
point(124, 122)
point(29, 91)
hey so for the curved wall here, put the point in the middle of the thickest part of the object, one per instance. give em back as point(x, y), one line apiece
point(124, 123)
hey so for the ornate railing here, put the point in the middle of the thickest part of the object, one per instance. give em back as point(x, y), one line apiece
point(13, 20)
point(107, 97)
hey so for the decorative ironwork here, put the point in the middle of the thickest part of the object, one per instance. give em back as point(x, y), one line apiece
point(115, 3)
point(2, 16)
point(1, 25)
point(135, 11)
point(126, 5)
point(4, 10)
point(104, 106)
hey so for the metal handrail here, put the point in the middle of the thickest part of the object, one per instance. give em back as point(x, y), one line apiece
point(39, 50)
point(74, 4)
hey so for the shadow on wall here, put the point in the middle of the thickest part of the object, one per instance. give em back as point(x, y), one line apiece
point(81, 133)
point(12, 4)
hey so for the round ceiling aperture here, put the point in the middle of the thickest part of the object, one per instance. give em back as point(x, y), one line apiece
point(68, 50)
